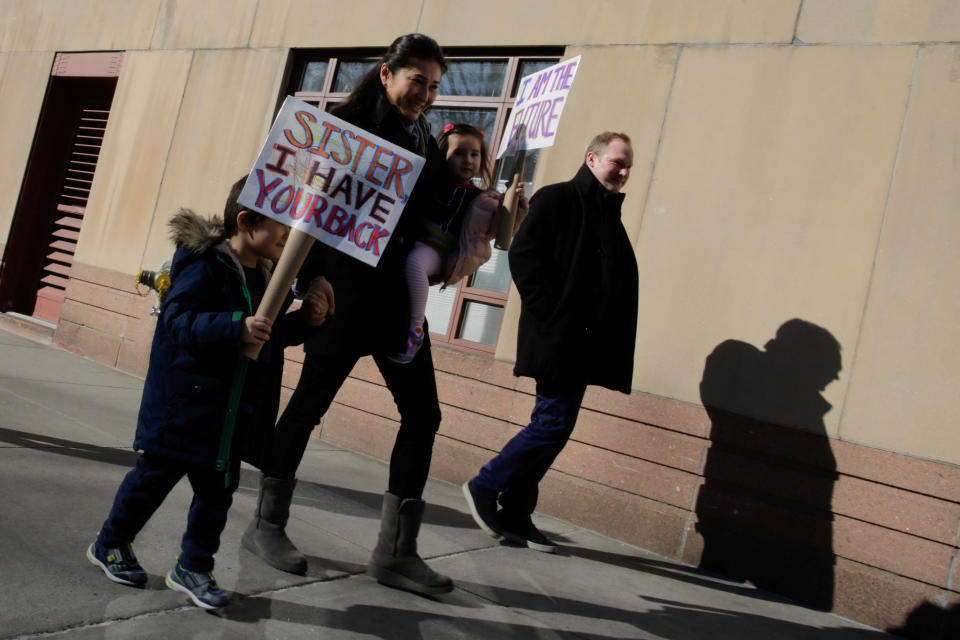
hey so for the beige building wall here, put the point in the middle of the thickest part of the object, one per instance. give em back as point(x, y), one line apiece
point(133, 159)
point(173, 143)
point(69, 25)
point(509, 23)
point(215, 142)
point(872, 21)
point(903, 388)
point(211, 24)
point(23, 82)
point(766, 203)
point(332, 23)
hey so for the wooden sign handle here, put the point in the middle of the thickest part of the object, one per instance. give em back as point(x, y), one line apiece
point(507, 215)
point(293, 256)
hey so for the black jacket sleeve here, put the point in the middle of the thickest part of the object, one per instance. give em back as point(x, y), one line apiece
point(533, 264)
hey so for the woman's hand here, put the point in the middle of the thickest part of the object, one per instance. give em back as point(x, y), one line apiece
point(318, 302)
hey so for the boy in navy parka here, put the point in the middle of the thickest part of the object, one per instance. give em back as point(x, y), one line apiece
point(205, 406)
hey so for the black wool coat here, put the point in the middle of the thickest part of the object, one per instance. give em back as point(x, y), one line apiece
point(576, 272)
point(372, 303)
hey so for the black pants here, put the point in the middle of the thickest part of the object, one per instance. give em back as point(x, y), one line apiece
point(146, 486)
point(414, 390)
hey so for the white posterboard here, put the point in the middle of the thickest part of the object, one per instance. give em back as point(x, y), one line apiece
point(333, 180)
point(540, 100)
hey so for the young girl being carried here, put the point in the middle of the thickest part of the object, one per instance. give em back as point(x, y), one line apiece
point(457, 242)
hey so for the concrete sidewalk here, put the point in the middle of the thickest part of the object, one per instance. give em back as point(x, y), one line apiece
point(66, 425)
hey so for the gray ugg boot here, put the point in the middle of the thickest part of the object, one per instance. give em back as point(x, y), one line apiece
point(395, 561)
point(266, 536)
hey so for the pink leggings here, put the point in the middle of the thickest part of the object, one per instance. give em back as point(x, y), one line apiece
point(423, 262)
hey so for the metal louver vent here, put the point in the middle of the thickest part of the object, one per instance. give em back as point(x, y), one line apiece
point(71, 204)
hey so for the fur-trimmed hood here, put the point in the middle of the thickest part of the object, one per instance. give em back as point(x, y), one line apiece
point(195, 232)
point(194, 235)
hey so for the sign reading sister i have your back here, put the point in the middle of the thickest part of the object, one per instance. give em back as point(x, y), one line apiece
point(331, 179)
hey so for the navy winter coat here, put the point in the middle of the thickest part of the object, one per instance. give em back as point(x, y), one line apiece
point(196, 353)
point(576, 272)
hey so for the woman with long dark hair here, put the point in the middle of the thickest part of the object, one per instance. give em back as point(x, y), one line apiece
point(371, 318)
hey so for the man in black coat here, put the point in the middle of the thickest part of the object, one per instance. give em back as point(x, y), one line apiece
point(576, 272)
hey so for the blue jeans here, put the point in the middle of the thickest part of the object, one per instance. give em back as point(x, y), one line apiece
point(144, 489)
point(514, 474)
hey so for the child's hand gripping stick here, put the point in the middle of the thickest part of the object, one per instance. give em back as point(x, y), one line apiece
point(294, 253)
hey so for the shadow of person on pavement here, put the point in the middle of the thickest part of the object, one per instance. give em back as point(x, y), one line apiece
point(680, 620)
point(764, 510)
point(407, 623)
point(564, 618)
point(124, 457)
point(671, 570)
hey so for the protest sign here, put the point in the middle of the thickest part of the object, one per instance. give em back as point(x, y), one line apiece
point(329, 180)
point(540, 100)
point(507, 213)
point(332, 180)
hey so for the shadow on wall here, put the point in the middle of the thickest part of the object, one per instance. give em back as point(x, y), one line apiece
point(764, 511)
point(931, 622)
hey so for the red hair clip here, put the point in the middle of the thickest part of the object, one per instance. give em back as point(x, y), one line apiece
point(447, 128)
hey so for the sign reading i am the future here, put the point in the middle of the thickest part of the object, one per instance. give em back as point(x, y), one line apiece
point(332, 180)
point(540, 99)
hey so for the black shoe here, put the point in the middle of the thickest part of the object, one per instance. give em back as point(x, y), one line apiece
point(483, 510)
point(527, 535)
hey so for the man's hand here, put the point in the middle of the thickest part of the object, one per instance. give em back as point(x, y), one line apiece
point(523, 207)
point(256, 329)
point(318, 303)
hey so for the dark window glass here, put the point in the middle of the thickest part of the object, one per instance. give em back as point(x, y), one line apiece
point(483, 119)
point(474, 78)
point(349, 74)
point(494, 274)
point(505, 169)
point(440, 307)
point(527, 67)
point(313, 76)
point(480, 322)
